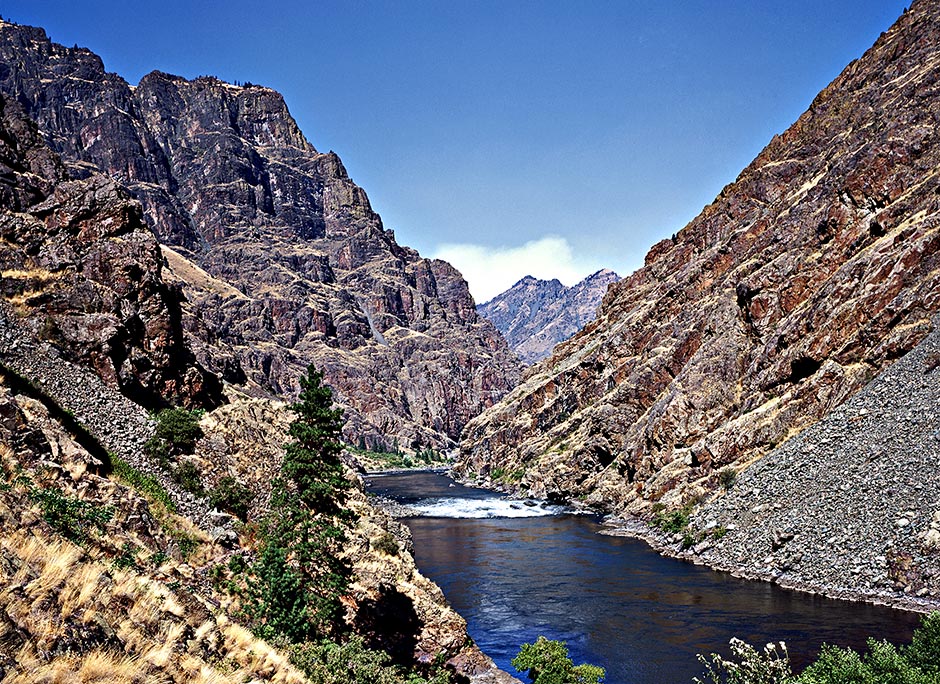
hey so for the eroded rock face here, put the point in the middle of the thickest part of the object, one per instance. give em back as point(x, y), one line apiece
point(814, 270)
point(535, 315)
point(82, 271)
point(851, 506)
point(281, 258)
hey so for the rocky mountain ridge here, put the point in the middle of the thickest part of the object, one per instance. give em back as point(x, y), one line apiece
point(279, 254)
point(814, 270)
point(78, 265)
point(111, 566)
point(535, 315)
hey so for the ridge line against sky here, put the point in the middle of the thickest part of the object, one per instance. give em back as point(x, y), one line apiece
point(510, 138)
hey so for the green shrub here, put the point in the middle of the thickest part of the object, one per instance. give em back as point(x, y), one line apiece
point(547, 662)
point(727, 478)
point(186, 475)
point(71, 517)
point(672, 522)
point(386, 543)
point(158, 449)
point(144, 484)
point(882, 663)
point(352, 663)
point(179, 428)
point(187, 544)
point(924, 650)
point(748, 665)
point(127, 558)
point(232, 496)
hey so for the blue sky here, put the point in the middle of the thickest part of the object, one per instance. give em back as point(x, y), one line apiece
point(551, 138)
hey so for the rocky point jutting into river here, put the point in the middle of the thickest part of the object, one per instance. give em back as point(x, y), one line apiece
point(278, 254)
point(816, 269)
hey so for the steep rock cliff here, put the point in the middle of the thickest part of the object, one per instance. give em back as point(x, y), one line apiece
point(816, 268)
point(80, 268)
point(535, 315)
point(281, 258)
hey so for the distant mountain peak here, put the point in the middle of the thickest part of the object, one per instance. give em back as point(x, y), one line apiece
point(534, 315)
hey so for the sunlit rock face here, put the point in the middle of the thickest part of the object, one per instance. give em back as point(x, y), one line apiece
point(534, 315)
point(280, 258)
point(811, 272)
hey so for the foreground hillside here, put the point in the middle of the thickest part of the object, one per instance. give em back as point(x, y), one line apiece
point(277, 253)
point(814, 270)
point(535, 315)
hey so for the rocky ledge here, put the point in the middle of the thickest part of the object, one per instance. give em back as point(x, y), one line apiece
point(849, 508)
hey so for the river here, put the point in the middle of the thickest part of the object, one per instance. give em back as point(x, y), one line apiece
point(516, 571)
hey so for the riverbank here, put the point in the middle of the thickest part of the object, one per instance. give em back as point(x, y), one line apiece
point(670, 546)
point(849, 508)
point(711, 553)
point(615, 601)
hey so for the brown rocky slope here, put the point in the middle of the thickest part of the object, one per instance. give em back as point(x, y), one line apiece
point(815, 269)
point(80, 267)
point(279, 254)
point(850, 507)
point(535, 315)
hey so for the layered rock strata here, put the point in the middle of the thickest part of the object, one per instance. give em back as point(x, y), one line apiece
point(535, 315)
point(815, 269)
point(81, 270)
point(850, 507)
point(281, 258)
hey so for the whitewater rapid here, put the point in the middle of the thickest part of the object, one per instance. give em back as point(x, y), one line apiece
point(452, 507)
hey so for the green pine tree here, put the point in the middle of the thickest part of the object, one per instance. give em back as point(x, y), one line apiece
point(294, 588)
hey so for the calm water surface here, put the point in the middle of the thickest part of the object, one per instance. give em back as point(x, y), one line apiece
point(614, 601)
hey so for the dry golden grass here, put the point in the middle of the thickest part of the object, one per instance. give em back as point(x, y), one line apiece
point(55, 584)
point(41, 275)
point(57, 564)
point(97, 667)
point(255, 656)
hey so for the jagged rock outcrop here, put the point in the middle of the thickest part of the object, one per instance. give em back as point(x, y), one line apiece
point(391, 603)
point(535, 315)
point(815, 269)
point(281, 258)
point(81, 270)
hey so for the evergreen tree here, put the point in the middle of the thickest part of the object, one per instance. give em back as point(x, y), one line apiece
point(295, 587)
point(312, 461)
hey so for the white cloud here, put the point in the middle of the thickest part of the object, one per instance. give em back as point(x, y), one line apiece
point(491, 270)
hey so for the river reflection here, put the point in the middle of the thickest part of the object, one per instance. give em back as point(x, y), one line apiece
point(614, 601)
